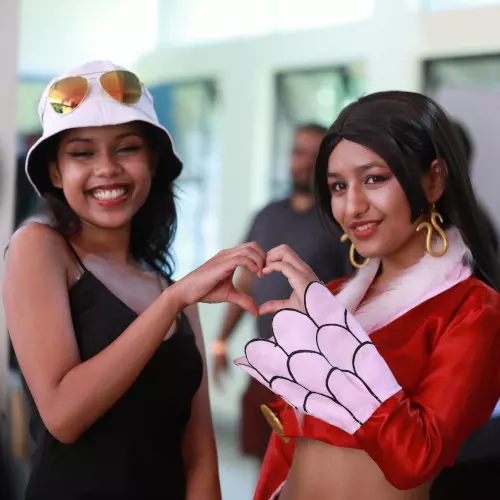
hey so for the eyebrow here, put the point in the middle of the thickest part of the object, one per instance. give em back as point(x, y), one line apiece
point(86, 139)
point(363, 168)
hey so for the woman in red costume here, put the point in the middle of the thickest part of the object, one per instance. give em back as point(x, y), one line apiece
point(382, 377)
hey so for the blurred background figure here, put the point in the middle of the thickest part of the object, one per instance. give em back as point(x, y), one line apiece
point(296, 222)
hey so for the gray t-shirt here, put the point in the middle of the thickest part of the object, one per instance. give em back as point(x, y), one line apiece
point(306, 235)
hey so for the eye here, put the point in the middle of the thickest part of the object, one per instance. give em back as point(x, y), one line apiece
point(129, 149)
point(80, 154)
point(376, 179)
point(335, 187)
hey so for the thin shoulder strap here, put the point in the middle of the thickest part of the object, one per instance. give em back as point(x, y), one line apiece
point(73, 251)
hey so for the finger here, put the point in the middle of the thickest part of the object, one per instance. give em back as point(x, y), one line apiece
point(281, 252)
point(251, 247)
point(286, 254)
point(244, 301)
point(273, 306)
point(245, 261)
point(257, 247)
point(252, 254)
point(287, 269)
point(256, 251)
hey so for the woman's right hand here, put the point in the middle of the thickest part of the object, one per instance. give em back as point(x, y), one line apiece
point(213, 281)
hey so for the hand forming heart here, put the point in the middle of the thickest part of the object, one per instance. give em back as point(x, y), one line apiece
point(284, 260)
point(213, 281)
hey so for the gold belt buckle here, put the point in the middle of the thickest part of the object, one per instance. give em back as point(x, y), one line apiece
point(274, 422)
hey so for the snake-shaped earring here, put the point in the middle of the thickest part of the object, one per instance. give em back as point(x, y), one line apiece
point(352, 254)
point(432, 226)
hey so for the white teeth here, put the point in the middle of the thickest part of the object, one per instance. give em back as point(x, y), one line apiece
point(366, 226)
point(108, 194)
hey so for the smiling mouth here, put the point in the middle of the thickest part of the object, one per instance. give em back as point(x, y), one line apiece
point(365, 227)
point(109, 194)
point(366, 230)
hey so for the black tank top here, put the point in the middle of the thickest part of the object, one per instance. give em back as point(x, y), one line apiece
point(133, 452)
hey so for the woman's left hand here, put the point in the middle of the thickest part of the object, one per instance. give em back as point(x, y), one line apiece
point(284, 260)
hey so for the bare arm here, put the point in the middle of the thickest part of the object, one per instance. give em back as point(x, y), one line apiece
point(71, 395)
point(199, 450)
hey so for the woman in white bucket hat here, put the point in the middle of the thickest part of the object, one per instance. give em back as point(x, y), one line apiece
point(110, 348)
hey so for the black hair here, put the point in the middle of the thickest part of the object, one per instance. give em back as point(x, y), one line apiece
point(311, 127)
point(409, 131)
point(153, 226)
point(465, 140)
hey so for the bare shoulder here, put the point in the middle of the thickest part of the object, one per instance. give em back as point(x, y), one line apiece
point(38, 242)
point(36, 253)
point(35, 232)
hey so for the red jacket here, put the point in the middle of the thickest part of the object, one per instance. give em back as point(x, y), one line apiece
point(445, 354)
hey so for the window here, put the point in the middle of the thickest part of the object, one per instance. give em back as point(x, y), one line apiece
point(477, 71)
point(308, 96)
point(190, 112)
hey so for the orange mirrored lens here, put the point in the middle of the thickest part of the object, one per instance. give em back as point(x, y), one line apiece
point(122, 86)
point(66, 94)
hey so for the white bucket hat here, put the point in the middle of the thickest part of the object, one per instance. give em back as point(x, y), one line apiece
point(97, 109)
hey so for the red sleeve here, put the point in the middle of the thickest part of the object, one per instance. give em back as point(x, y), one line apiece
point(412, 436)
point(275, 468)
point(335, 285)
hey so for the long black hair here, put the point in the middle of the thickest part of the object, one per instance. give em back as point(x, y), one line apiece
point(153, 226)
point(409, 131)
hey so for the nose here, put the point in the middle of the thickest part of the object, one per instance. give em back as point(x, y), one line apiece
point(107, 166)
point(357, 203)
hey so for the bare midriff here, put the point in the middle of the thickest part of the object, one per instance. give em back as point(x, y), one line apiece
point(324, 472)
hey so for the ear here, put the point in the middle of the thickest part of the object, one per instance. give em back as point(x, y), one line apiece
point(55, 175)
point(434, 181)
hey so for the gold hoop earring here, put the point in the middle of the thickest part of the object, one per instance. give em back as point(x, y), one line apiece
point(352, 254)
point(431, 227)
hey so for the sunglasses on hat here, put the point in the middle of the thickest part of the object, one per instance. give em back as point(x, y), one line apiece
point(67, 94)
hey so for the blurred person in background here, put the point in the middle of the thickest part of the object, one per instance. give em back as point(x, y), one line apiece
point(111, 349)
point(385, 375)
point(296, 222)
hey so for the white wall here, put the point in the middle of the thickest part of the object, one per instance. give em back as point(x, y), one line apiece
point(57, 35)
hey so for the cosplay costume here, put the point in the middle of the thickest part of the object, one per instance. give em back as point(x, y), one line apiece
point(406, 377)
